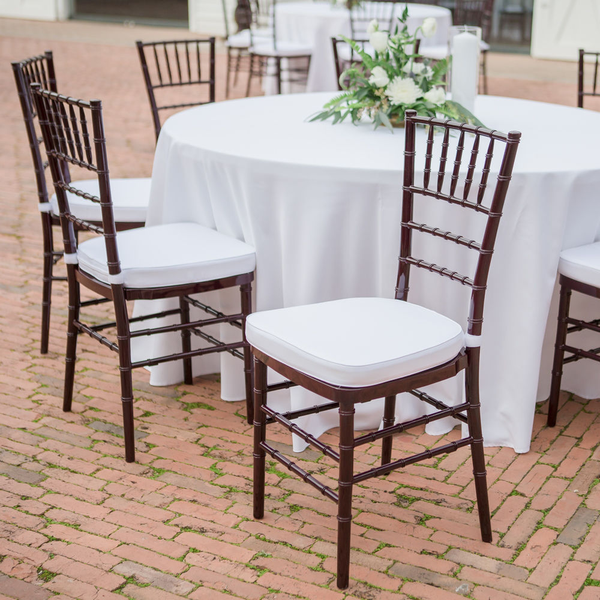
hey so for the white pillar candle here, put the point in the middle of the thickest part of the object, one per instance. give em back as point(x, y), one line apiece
point(465, 69)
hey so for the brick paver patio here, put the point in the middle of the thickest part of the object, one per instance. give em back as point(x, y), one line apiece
point(77, 522)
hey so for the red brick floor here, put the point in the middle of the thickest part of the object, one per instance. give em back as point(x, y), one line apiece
point(77, 522)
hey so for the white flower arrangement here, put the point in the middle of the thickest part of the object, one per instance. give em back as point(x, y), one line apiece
point(391, 78)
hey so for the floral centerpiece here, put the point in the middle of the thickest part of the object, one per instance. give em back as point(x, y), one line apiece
point(391, 79)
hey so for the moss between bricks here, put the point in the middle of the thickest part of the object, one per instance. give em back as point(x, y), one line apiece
point(45, 575)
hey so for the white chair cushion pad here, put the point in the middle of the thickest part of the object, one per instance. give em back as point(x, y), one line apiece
point(168, 255)
point(283, 49)
point(130, 200)
point(357, 341)
point(581, 263)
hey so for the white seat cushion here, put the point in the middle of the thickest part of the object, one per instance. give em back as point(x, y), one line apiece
point(130, 200)
point(168, 255)
point(358, 341)
point(283, 49)
point(581, 264)
point(241, 39)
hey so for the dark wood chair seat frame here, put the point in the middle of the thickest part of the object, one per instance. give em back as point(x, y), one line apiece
point(40, 69)
point(581, 93)
point(566, 325)
point(65, 129)
point(344, 399)
point(178, 70)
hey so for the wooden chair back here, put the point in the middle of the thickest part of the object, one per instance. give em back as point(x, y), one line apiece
point(477, 13)
point(36, 69)
point(69, 140)
point(471, 194)
point(362, 13)
point(180, 63)
point(581, 89)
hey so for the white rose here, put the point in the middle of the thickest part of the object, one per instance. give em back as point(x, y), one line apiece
point(436, 96)
point(403, 91)
point(373, 26)
point(379, 40)
point(414, 67)
point(379, 77)
point(429, 27)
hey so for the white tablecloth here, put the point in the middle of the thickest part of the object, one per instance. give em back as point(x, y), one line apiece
point(321, 205)
point(315, 23)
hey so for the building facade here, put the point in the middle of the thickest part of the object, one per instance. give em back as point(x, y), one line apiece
point(556, 28)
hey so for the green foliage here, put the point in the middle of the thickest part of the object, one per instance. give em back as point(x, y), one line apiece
point(192, 405)
point(45, 575)
point(387, 83)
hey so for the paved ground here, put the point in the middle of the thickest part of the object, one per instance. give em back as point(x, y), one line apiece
point(76, 522)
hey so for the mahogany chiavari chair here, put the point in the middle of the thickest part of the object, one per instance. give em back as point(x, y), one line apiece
point(165, 261)
point(288, 62)
point(356, 350)
point(238, 44)
point(131, 195)
point(581, 90)
point(177, 64)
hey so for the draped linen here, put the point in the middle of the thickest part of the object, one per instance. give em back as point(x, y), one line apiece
point(321, 205)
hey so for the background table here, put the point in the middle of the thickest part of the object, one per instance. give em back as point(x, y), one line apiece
point(315, 23)
point(321, 205)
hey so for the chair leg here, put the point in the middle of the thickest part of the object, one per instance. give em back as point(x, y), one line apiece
point(186, 341)
point(388, 420)
point(477, 454)
point(278, 74)
point(260, 399)
point(228, 73)
point(238, 62)
point(46, 282)
point(124, 341)
point(250, 73)
point(484, 71)
point(72, 333)
point(346, 474)
point(246, 292)
point(557, 367)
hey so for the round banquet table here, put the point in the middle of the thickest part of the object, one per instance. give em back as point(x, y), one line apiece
point(315, 23)
point(321, 205)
